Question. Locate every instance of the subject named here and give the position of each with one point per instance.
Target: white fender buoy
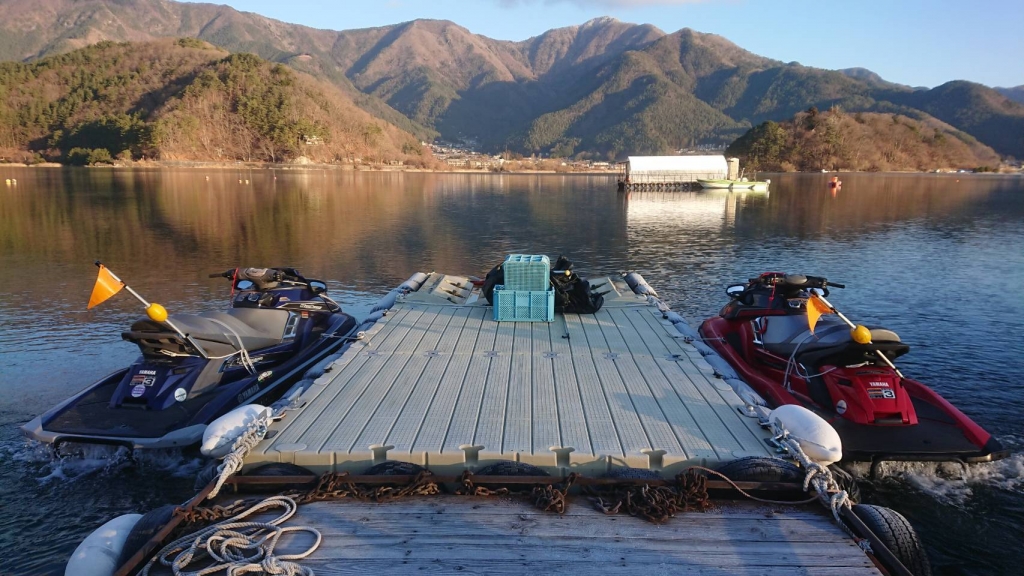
(97, 555)
(817, 438)
(221, 434)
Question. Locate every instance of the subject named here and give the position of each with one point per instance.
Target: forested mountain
(182, 100)
(1016, 93)
(863, 141)
(604, 88)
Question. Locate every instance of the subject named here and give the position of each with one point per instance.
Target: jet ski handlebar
(795, 281)
(263, 278)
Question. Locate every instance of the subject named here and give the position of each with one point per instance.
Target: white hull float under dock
(437, 382)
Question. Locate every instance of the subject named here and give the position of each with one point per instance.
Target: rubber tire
(206, 475)
(761, 469)
(510, 468)
(846, 481)
(394, 468)
(277, 469)
(897, 534)
(627, 473)
(144, 530)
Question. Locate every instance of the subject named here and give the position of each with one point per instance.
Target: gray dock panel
(440, 383)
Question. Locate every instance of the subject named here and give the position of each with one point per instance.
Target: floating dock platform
(437, 382)
(434, 380)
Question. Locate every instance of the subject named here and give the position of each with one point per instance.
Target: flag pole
(852, 325)
(167, 321)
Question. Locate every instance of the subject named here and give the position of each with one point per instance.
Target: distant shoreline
(200, 165)
(160, 164)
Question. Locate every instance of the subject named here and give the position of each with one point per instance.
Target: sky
(914, 42)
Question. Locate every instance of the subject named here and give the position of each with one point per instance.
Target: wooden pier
(439, 383)
(492, 536)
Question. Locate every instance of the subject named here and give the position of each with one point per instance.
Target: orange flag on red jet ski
(815, 308)
(106, 286)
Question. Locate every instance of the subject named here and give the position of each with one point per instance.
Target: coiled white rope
(239, 547)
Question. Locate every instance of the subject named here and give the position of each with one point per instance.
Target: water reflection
(939, 259)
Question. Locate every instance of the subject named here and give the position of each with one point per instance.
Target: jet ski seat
(217, 332)
(830, 343)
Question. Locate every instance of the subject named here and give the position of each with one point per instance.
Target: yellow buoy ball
(861, 334)
(156, 313)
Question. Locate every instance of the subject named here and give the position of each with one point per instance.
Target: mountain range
(602, 89)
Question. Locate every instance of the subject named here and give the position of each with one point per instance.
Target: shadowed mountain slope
(604, 88)
(183, 100)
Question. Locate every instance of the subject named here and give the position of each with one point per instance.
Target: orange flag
(815, 308)
(106, 286)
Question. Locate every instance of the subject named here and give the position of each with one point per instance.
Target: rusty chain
(468, 488)
(654, 503)
(337, 485)
(552, 498)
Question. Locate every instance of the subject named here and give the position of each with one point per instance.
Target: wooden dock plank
(498, 567)
(484, 535)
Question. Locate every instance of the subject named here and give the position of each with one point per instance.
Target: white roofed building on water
(665, 172)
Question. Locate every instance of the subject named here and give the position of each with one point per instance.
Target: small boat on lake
(741, 185)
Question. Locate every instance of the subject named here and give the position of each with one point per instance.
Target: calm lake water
(939, 259)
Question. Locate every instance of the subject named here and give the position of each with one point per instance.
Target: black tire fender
(394, 468)
(510, 468)
(627, 473)
(761, 469)
(846, 481)
(277, 469)
(897, 534)
(144, 530)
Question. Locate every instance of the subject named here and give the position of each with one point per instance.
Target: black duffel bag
(572, 293)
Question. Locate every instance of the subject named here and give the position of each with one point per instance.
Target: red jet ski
(764, 334)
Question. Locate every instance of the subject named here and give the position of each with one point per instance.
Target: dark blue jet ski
(279, 325)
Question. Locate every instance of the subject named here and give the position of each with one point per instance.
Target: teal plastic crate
(524, 305)
(527, 272)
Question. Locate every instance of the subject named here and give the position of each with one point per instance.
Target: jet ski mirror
(735, 290)
(317, 286)
(244, 285)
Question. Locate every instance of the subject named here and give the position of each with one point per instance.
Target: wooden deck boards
(439, 383)
(450, 534)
